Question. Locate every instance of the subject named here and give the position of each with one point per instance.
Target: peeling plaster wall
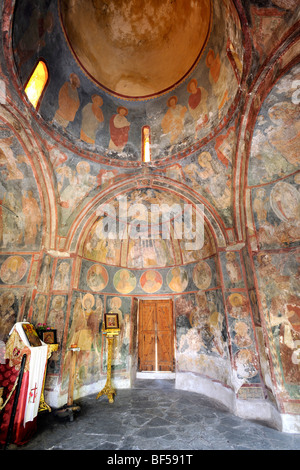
(275, 196)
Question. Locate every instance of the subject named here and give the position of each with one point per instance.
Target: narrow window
(36, 83)
(146, 155)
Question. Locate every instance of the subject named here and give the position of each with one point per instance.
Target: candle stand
(108, 390)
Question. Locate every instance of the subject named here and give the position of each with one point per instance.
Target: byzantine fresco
(154, 233)
(81, 110)
(62, 275)
(201, 334)
(113, 272)
(98, 278)
(278, 278)
(77, 180)
(276, 211)
(276, 140)
(202, 341)
(39, 309)
(266, 20)
(14, 269)
(149, 253)
(56, 319)
(84, 330)
(244, 352)
(232, 269)
(210, 173)
(151, 281)
(45, 277)
(20, 210)
(73, 185)
(207, 249)
(124, 281)
(274, 181)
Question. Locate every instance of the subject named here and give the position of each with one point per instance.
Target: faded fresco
(88, 145)
(20, 210)
(242, 339)
(9, 308)
(274, 179)
(277, 213)
(107, 279)
(201, 334)
(266, 21)
(85, 331)
(278, 277)
(276, 140)
(147, 234)
(210, 173)
(107, 124)
(232, 269)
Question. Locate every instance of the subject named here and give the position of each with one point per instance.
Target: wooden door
(156, 337)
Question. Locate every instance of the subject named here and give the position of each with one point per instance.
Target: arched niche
(207, 288)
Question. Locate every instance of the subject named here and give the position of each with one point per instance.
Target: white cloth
(38, 361)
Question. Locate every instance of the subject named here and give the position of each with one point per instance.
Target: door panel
(165, 351)
(156, 338)
(164, 316)
(148, 317)
(148, 352)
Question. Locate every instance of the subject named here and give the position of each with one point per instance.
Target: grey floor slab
(155, 416)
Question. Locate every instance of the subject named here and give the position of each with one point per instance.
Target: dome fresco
(136, 49)
(181, 109)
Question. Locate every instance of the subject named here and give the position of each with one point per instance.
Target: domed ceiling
(116, 67)
(136, 49)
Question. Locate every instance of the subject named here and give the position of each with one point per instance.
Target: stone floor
(154, 416)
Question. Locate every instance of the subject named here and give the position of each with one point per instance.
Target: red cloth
(119, 136)
(195, 99)
(21, 434)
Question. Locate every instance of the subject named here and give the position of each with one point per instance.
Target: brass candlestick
(108, 389)
(110, 330)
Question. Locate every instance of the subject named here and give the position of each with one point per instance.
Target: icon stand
(110, 330)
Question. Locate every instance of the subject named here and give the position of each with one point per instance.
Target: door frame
(160, 374)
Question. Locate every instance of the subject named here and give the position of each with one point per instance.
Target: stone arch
(88, 213)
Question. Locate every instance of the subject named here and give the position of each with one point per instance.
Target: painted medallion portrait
(124, 281)
(242, 338)
(177, 279)
(202, 275)
(151, 281)
(13, 269)
(97, 277)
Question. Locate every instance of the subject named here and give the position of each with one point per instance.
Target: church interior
(140, 158)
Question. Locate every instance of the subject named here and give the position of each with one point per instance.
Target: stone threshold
(156, 375)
